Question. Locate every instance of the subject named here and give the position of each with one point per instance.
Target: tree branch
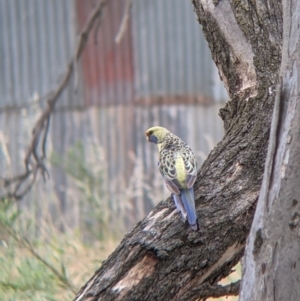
(212, 291)
(124, 22)
(36, 153)
(160, 258)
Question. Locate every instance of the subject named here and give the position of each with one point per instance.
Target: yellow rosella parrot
(178, 166)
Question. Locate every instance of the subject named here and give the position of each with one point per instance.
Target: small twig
(17, 195)
(61, 277)
(124, 22)
(212, 291)
(45, 136)
(33, 161)
(27, 245)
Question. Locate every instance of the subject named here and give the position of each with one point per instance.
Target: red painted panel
(107, 67)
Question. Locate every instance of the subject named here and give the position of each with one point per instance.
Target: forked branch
(20, 184)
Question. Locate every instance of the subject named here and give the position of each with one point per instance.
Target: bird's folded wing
(172, 185)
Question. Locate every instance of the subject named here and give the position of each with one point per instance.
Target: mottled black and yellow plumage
(178, 166)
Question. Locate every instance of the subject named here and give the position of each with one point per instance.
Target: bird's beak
(147, 136)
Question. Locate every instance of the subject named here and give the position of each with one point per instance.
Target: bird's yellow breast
(180, 170)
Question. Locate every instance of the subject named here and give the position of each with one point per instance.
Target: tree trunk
(162, 258)
(272, 258)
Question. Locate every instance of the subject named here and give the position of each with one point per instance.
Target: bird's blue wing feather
(188, 199)
(179, 205)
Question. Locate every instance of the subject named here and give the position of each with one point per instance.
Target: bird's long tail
(188, 200)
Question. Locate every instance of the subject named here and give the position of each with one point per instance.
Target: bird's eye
(150, 133)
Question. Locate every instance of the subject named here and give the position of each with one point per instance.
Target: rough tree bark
(161, 258)
(272, 258)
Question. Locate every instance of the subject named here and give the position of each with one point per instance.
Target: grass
(52, 267)
(38, 260)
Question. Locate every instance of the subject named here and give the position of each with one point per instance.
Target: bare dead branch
(18, 195)
(213, 291)
(124, 22)
(36, 153)
(45, 137)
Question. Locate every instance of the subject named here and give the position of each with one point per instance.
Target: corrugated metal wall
(171, 54)
(160, 73)
(37, 40)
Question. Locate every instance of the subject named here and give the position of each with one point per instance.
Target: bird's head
(156, 134)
